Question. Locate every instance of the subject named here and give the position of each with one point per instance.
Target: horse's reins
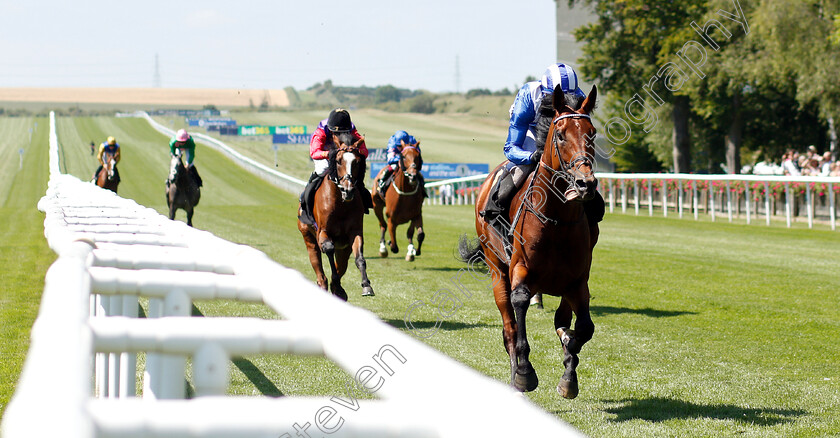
(562, 173)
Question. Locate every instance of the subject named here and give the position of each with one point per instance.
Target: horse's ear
(417, 145)
(559, 102)
(589, 103)
(558, 99)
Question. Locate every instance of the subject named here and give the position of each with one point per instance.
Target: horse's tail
(470, 250)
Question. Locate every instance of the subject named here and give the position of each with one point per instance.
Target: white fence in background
(79, 377)
(756, 198)
(752, 197)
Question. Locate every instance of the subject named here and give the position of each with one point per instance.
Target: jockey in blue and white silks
(520, 147)
(397, 141)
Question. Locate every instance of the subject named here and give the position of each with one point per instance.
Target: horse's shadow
(446, 324)
(647, 311)
(658, 409)
(257, 377)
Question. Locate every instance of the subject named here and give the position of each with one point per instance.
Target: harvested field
(146, 96)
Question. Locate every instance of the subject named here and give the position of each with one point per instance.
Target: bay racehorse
(108, 177)
(339, 212)
(552, 242)
(403, 202)
(181, 191)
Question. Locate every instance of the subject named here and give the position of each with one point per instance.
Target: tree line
(709, 85)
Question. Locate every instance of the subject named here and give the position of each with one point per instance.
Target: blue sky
(273, 44)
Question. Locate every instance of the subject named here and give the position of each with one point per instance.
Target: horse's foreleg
(525, 378)
(573, 340)
(358, 252)
(172, 210)
(190, 212)
(378, 206)
(342, 255)
(392, 232)
(328, 247)
(418, 224)
(410, 251)
(314, 255)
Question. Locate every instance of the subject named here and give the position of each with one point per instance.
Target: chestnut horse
(403, 203)
(182, 192)
(107, 178)
(552, 242)
(339, 215)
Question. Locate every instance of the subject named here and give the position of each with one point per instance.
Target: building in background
(569, 51)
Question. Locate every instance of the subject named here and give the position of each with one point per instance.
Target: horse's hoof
(527, 382)
(536, 300)
(367, 291)
(395, 249)
(409, 254)
(568, 388)
(340, 294)
(383, 250)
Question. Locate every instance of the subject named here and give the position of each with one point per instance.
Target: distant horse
(553, 238)
(182, 192)
(403, 203)
(108, 177)
(338, 214)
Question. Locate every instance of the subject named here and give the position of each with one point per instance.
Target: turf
(24, 255)
(702, 329)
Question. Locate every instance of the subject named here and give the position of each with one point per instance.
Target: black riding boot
(500, 196)
(307, 198)
(384, 180)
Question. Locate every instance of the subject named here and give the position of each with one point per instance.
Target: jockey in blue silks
(397, 141)
(523, 134)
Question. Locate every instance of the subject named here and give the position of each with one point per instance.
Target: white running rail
(112, 251)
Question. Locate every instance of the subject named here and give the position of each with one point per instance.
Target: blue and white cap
(560, 74)
(402, 136)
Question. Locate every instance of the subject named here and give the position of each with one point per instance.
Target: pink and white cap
(182, 135)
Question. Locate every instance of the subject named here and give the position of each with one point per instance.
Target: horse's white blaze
(348, 162)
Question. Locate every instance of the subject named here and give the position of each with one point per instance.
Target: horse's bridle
(348, 176)
(563, 172)
(402, 158)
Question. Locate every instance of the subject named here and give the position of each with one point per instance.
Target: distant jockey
(323, 140)
(183, 143)
(107, 150)
(397, 141)
(524, 135)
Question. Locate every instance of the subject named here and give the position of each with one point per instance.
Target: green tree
(626, 48)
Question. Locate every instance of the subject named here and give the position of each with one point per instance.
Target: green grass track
(702, 329)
